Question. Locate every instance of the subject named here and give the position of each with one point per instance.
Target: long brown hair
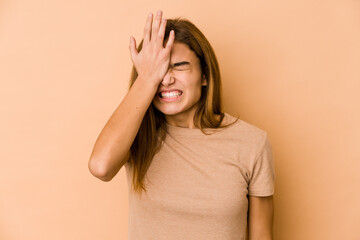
(152, 130)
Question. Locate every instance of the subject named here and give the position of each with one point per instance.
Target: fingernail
(159, 13)
(150, 15)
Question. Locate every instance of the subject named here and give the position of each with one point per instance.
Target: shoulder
(247, 138)
(244, 130)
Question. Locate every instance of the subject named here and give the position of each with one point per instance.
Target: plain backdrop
(292, 68)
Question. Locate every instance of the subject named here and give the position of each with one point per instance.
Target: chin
(169, 112)
(167, 109)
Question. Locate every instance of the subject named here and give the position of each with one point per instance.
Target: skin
(155, 65)
(261, 218)
(187, 78)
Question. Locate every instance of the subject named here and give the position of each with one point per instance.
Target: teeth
(170, 94)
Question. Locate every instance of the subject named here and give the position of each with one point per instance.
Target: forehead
(181, 52)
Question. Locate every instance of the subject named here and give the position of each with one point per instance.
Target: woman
(205, 174)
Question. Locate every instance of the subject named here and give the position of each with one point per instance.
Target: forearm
(114, 142)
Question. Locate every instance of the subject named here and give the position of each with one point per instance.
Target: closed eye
(180, 69)
(180, 66)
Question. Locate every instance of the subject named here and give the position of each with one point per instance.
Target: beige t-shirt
(198, 184)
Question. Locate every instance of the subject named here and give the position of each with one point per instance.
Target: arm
(261, 218)
(111, 150)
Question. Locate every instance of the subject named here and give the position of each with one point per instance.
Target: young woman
(205, 174)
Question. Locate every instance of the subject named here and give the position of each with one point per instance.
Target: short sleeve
(262, 181)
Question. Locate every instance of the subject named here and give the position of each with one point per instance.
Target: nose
(168, 78)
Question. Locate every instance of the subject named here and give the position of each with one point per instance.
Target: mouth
(169, 96)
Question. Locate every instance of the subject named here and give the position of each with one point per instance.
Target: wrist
(147, 83)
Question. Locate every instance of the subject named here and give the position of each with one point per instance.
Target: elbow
(98, 170)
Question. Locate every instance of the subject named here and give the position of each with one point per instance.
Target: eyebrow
(180, 64)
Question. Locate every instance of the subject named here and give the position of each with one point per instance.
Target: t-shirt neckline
(183, 131)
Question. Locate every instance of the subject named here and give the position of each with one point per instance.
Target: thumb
(132, 47)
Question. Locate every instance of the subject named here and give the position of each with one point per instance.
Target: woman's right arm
(112, 147)
(111, 150)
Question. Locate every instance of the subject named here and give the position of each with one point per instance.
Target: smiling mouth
(170, 95)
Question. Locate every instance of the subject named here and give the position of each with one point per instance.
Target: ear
(204, 81)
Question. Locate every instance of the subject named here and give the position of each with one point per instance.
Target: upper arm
(261, 217)
(107, 172)
(115, 167)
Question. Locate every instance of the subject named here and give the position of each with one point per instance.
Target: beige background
(291, 68)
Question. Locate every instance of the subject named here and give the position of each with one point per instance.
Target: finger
(147, 29)
(161, 32)
(132, 48)
(170, 40)
(155, 27)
